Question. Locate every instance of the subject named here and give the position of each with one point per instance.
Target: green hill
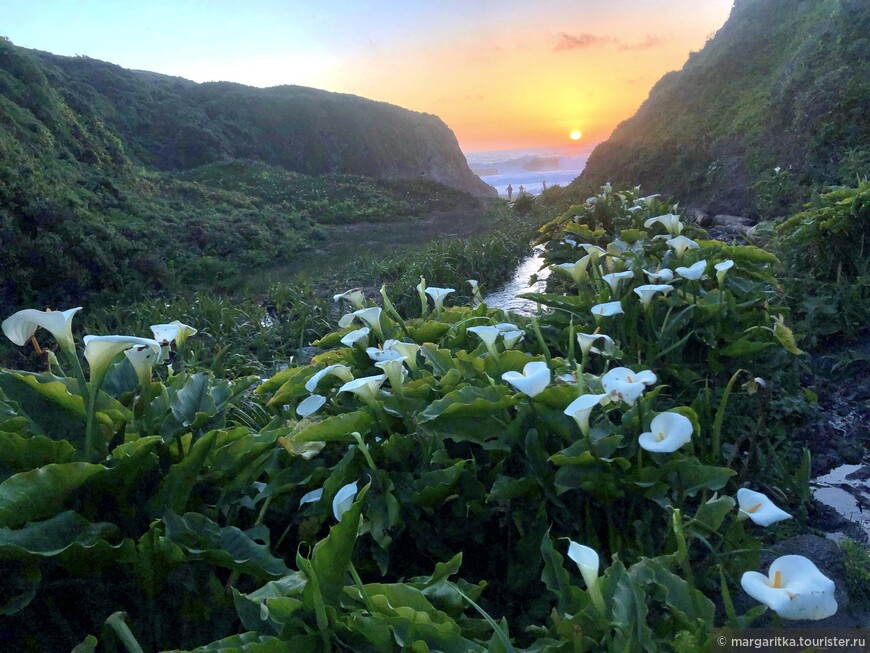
(783, 84)
(116, 181)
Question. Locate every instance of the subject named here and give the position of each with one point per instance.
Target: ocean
(530, 167)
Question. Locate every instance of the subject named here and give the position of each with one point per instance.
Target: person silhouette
(522, 190)
(510, 191)
(544, 185)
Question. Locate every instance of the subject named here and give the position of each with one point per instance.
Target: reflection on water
(845, 495)
(505, 297)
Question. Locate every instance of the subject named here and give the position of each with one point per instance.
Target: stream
(506, 298)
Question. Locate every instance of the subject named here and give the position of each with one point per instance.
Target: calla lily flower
(594, 251)
(311, 497)
(511, 338)
(581, 408)
(20, 327)
(143, 358)
(350, 339)
(647, 200)
(533, 380)
(371, 317)
(669, 221)
(475, 290)
(757, 507)
(438, 295)
(794, 588)
(578, 271)
(587, 340)
(670, 431)
(664, 274)
(355, 297)
(615, 278)
(646, 293)
(343, 500)
(421, 291)
(587, 561)
(722, 269)
(175, 330)
(310, 405)
(407, 349)
(365, 387)
(681, 244)
(693, 272)
(395, 371)
(343, 372)
(608, 309)
(379, 354)
(101, 350)
(623, 384)
(489, 334)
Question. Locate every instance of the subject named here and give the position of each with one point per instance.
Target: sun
(575, 135)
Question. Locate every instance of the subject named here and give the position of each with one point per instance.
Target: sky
(503, 74)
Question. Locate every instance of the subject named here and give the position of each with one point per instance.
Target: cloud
(651, 41)
(582, 41)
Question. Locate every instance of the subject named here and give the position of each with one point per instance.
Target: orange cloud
(582, 41)
(651, 41)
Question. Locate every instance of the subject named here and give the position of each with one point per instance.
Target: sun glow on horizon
(576, 135)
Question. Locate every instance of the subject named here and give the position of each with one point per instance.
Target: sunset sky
(501, 73)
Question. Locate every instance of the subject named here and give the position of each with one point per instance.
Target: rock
(306, 354)
(698, 217)
(729, 228)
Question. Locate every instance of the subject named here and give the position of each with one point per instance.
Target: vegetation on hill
(117, 182)
(776, 103)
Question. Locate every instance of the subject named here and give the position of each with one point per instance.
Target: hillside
(123, 181)
(783, 84)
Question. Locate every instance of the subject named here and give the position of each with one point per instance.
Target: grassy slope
(81, 214)
(783, 83)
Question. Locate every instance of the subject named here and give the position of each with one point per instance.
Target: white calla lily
(615, 278)
(438, 295)
(175, 330)
(355, 297)
(608, 309)
(587, 340)
(395, 371)
(310, 405)
(794, 588)
(581, 408)
(680, 244)
(587, 560)
(759, 508)
(365, 387)
(20, 327)
(343, 372)
(670, 431)
(489, 334)
(343, 500)
(647, 292)
(594, 251)
(311, 497)
(694, 272)
(407, 349)
(664, 274)
(350, 339)
(371, 317)
(623, 384)
(722, 269)
(511, 338)
(101, 350)
(378, 354)
(143, 358)
(475, 290)
(578, 271)
(533, 380)
(669, 221)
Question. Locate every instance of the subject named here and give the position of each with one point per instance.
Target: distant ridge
(783, 84)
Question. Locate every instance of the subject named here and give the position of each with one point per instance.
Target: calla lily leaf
(337, 428)
(470, 401)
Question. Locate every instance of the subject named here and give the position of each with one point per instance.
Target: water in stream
(506, 298)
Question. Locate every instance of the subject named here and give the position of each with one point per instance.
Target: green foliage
(826, 257)
(856, 560)
(780, 85)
